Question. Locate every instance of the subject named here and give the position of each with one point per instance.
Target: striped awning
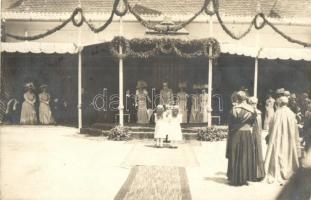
(39, 47)
(268, 53)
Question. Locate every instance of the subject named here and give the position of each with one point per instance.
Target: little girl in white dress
(175, 133)
(161, 127)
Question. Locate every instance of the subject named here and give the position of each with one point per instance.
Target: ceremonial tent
(255, 60)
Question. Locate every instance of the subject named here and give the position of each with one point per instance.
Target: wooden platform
(145, 131)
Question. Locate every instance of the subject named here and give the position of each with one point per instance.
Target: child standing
(175, 133)
(160, 127)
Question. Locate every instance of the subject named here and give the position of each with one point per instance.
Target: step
(134, 134)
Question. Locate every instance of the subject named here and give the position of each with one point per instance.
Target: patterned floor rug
(155, 183)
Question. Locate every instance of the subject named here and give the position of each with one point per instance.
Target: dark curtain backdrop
(59, 72)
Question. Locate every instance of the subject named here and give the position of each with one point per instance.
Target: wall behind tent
(59, 72)
(133, 29)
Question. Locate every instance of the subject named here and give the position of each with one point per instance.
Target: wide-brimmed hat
(141, 84)
(43, 86)
(305, 95)
(182, 85)
(241, 95)
(284, 100)
(286, 93)
(293, 96)
(29, 85)
(165, 83)
(280, 91)
(252, 100)
(243, 88)
(204, 86)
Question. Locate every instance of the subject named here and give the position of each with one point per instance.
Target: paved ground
(57, 163)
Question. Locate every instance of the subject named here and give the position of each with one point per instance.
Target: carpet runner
(146, 154)
(155, 183)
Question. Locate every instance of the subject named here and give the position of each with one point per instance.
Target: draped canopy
(234, 49)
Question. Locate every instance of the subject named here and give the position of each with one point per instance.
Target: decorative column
(80, 48)
(121, 105)
(256, 65)
(210, 75)
(1, 74)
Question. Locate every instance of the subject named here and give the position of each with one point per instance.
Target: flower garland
(148, 25)
(164, 46)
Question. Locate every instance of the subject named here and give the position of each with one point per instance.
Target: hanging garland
(224, 27)
(79, 12)
(164, 46)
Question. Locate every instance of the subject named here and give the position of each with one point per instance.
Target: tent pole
(256, 65)
(256, 77)
(121, 106)
(80, 123)
(210, 75)
(1, 74)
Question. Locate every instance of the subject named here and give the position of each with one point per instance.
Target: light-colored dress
(269, 112)
(195, 109)
(204, 107)
(142, 112)
(45, 114)
(28, 113)
(162, 126)
(175, 133)
(282, 157)
(166, 96)
(182, 105)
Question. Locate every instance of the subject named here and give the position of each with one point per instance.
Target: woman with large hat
(182, 100)
(141, 102)
(269, 111)
(204, 103)
(45, 114)
(195, 105)
(28, 112)
(240, 144)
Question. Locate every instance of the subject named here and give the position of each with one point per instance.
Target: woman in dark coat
(259, 169)
(240, 144)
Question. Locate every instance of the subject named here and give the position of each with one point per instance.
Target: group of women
(28, 110)
(244, 145)
(199, 102)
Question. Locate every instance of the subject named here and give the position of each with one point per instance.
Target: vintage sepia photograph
(155, 100)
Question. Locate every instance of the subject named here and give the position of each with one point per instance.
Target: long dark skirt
(259, 169)
(241, 160)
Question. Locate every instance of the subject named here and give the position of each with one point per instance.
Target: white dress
(175, 133)
(161, 127)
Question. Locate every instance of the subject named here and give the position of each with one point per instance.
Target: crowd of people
(36, 108)
(286, 120)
